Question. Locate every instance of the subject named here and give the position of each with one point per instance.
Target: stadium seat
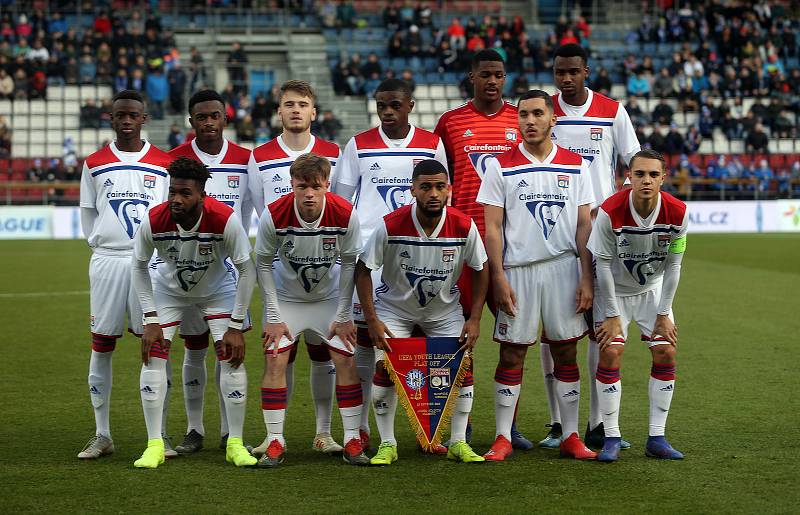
(428, 121)
(424, 106)
(54, 150)
(5, 108)
(72, 93)
(53, 135)
(20, 122)
(414, 119)
(786, 146)
(437, 91)
(441, 105)
(455, 102)
(55, 107)
(374, 120)
(38, 107)
(422, 91)
(452, 92)
(21, 108)
(737, 146)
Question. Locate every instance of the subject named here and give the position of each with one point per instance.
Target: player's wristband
(150, 320)
(235, 325)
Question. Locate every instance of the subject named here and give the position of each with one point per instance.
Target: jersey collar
(421, 231)
(294, 154)
(130, 156)
(533, 160)
(315, 223)
(208, 159)
(390, 143)
(480, 113)
(650, 220)
(571, 110)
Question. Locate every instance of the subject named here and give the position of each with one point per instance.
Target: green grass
(735, 412)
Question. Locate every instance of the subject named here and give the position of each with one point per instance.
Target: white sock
(100, 390)
(365, 364)
(592, 358)
(273, 419)
(351, 418)
(507, 384)
(223, 416)
(165, 411)
(153, 388)
(289, 382)
(549, 383)
(569, 395)
(384, 400)
(233, 385)
(660, 393)
(323, 383)
(463, 407)
(194, 386)
(608, 399)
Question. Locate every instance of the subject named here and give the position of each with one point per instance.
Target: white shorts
(545, 293)
(112, 299)
(402, 328)
(193, 323)
(216, 312)
(313, 319)
(641, 308)
(358, 314)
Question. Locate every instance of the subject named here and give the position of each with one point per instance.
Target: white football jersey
(638, 247)
(540, 199)
(380, 169)
(230, 175)
(306, 254)
(193, 260)
(122, 186)
(420, 272)
(272, 161)
(599, 130)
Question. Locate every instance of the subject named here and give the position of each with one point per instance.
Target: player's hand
(665, 328)
(470, 333)
(233, 341)
(273, 333)
(152, 335)
(378, 333)
(584, 295)
(346, 331)
(608, 330)
(504, 296)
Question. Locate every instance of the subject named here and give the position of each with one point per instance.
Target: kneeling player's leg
(322, 379)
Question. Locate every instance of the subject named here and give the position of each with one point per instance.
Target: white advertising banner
(789, 215)
(26, 222)
(735, 216)
(67, 223)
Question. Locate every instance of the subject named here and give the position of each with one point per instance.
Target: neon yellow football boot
(461, 451)
(386, 455)
(153, 456)
(236, 453)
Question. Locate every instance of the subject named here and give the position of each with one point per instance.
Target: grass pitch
(735, 412)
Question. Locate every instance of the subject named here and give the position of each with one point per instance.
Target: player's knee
(150, 384)
(512, 356)
(196, 341)
(318, 353)
(611, 356)
(274, 368)
(663, 354)
(564, 353)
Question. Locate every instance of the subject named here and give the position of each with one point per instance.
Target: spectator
(68, 154)
(90, 115)
(408, 78)
(638, 85)
(38, 53)
(756, 141)
(520, 85)
(37, 173)
(602, 83)
(87, 69)
(121, 80)
(137, 81)
(764, 176)
(663, 85)
(5, 140)
(413, 42)
(705, 124)
(391, 16)
(693, 140)
(37, 85)
(457, 34)
(674, 142)
(782, 126)
(635, 112)
(157, 89)
(784, 177)
(262, 111)
(102, 24)
(327, 13)
(237, 67)
(245, 129)
(330, 126)
(447, 56)
(6, 84)
(176, 78)
(345, 15)
(263, 132)
(662, 113)
(656, 141)
(372, 65)
(21, 84)
(196, 69)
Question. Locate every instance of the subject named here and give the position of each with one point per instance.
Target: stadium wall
(748, 216)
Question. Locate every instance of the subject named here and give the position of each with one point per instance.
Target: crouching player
(193, 235)
(422, 248)
(638, 241)
(307, 233)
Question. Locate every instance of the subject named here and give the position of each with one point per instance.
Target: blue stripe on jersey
(542, 169)
(584, 122)
(429, 243)
(167, 237)
(275, 165)
(399, 152)
(229, 170)
(316, 232)
(643, 231)
(129, 167)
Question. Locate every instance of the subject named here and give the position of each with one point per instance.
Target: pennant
(427, 373)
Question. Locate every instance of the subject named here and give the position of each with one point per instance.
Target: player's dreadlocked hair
(572, 50)
(185, 168)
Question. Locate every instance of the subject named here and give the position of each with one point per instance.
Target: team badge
(440, 378)
(511, 134)
(356, 308)
(663, 240)
(204, 249)
(415, 380)
(448, 255)
(563, 181)
(149, 181)
(328, 244)
(596, 133)
(130, 212)
(233, 181)
(546, 214)
(91, 320)
(502, 329)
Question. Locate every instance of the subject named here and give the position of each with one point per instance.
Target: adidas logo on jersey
(375, 166)
(624, 243)
(276, 178)
(570, 394)
(236, 394)
(522, 184)
(288, 244)
(667, 388)
(468, 134)
(108, 183)
(405, 254)
(611, 389)
(506, 391)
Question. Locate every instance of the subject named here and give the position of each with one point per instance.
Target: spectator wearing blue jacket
(157, 89)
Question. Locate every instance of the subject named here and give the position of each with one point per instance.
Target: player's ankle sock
(384, 400)
(661, 388)
(506, 391)
(350, 401)
(152, 387)
(273, 406)
(289, 381)
(568, 390)
(365, 365)
(233, 384)
(100, 375)
(458, 424)
(223, 415)
(549, 383)
(194, 386)
(323, 383)
(592, 358)
(609, 392)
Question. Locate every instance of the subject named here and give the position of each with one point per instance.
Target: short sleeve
(347, 171)
(88, 193)
(266, 237)
(255, 185)
(475, 253)
(492, 189)
(351, 242)
(335, 166)
(236, 241)
(625, 140)
(373, 252)
(441, 155)
(585, 189)
(143, 245)
(602, 242)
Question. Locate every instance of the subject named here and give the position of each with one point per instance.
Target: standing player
(638, 241)
(228, 164)
(478, 130)
(194, 236)
(119, 183)
(421, 250)
(375, 172)
(306, 233)
(271, 181)
(599, 129)
(537, 199)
